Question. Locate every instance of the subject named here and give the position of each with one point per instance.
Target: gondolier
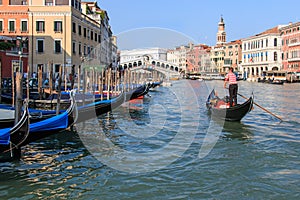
(233, 86)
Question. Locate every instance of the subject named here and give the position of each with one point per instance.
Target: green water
(159, 149)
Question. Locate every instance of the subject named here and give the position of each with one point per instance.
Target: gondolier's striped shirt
(231, 78)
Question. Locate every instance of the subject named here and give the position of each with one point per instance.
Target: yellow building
(61, 35)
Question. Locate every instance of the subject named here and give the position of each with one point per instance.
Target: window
(56, 68)
(96, 37)
(266, 42)
(57, 46)
(92, 35)
(40, 45)
(40, 26)
(58, 26)
(74, 48)
(79, 30)
(11, 26)
(24, 26)
(74, 27)
(275, 56)
(61, 2)
(49, 2)
(79, 49)
(275, 42)
(84, 32)
(1, 25)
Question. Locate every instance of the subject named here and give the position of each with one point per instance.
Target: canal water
(167, 147)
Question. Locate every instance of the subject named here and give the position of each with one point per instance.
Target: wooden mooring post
(19, 95)
(59, 90)
(0, 79)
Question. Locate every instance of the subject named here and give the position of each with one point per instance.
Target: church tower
(221, 35)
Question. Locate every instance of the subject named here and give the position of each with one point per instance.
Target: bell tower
(221, 35)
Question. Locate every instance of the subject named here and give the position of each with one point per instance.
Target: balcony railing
(294, 44)
(293, 59)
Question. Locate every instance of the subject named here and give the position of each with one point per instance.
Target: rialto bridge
(166, 68)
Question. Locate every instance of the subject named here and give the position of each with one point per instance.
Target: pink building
(291, 47)
(198, 59)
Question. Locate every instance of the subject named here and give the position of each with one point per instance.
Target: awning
(5, 38)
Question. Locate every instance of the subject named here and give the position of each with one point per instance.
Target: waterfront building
(198, 59)
(108, 48)
(14, 29)
(58, 33)
(291, 47)
(178, 56)
(261, 53)
(232, 55)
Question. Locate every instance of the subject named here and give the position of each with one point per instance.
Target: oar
(262, 108)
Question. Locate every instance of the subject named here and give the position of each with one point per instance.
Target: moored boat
(12, 138)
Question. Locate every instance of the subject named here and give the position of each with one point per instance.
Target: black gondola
(220, 109)
(12, 138)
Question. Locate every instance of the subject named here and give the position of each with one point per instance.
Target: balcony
(294, 44)
(293, 59)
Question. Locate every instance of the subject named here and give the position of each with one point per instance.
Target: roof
(268, 31)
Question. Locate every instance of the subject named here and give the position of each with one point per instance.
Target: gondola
(138, 92)
(34, 114)
(53, 125)
(220, 109)
(12, 138)
(96, 108)
(155, 84)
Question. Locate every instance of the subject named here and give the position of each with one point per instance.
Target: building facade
(58, 33)
(14, 29)
(261, 53)
(291, 47)
(233, 55)
(178, 56)
(198, 59)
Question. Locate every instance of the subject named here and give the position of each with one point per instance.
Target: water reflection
(237, 130)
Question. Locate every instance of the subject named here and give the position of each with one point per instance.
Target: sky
(167, 23)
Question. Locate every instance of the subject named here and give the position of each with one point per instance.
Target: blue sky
(196, 20)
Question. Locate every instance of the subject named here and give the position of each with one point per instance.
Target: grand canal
(167, 147)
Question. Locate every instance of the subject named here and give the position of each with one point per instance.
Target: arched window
(275, 42)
